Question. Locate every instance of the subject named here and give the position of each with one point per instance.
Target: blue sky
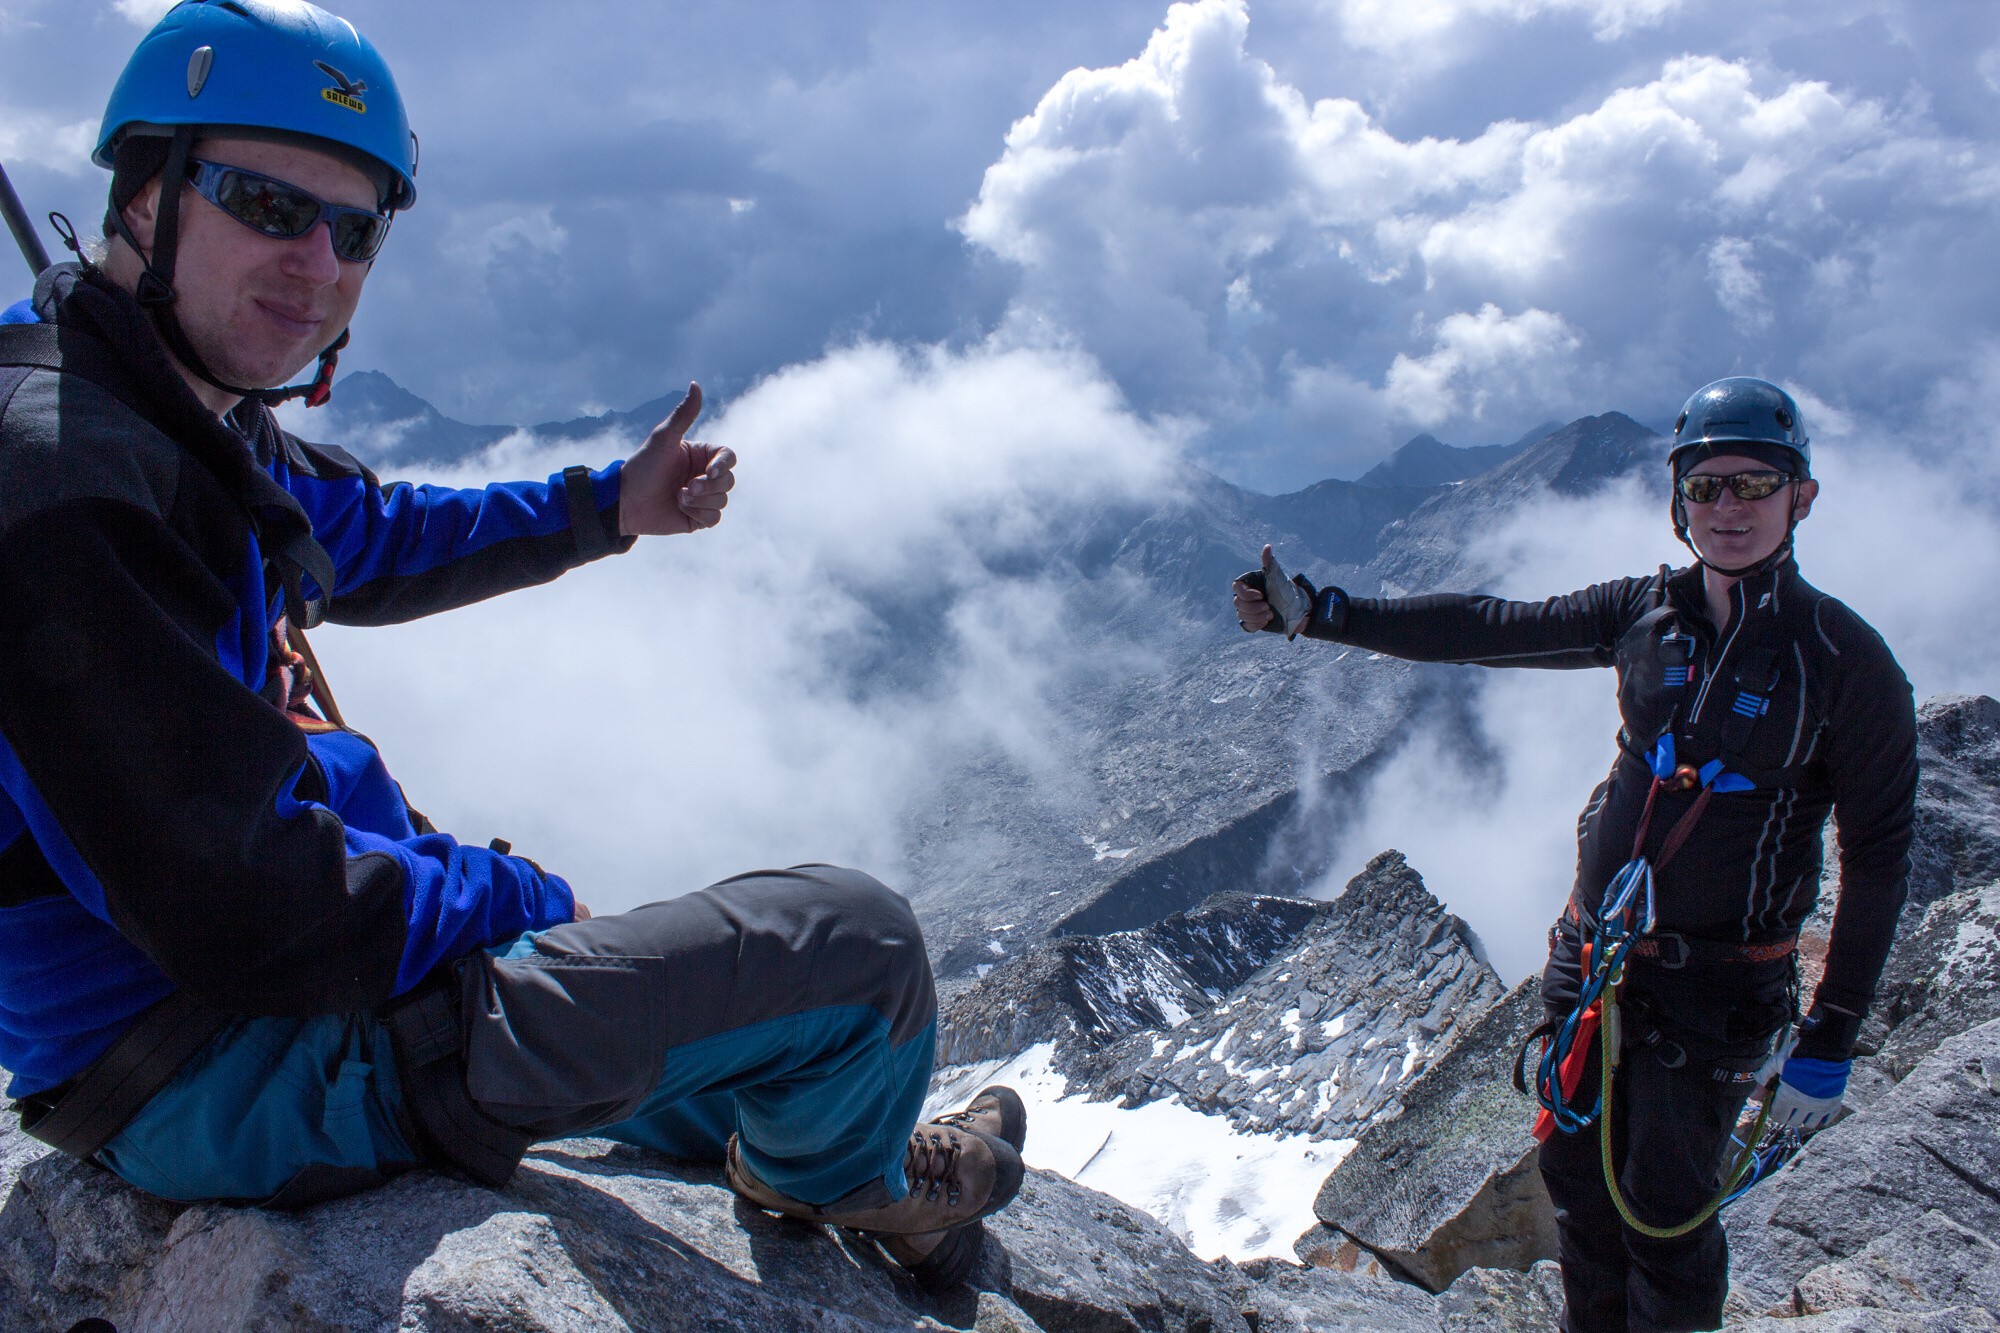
(1302, 230)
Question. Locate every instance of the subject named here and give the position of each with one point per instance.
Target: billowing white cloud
(1317, 287)
(788, 686)
(145, 13)
(33, 136)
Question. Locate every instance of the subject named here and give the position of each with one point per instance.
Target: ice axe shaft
(23, 229)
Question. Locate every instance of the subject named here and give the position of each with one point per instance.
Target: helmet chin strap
(156, 289)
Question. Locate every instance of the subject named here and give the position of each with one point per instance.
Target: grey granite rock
(1960, 1319)
(1932, 1143)
(1943, 977)
(1957, 839)
(1287, 1299)
(1451, 1183)
(996, 1314)
(596, 1236)
(589, 1236)
(1081, 1262)
(1933, 1264)
(1503, 1300)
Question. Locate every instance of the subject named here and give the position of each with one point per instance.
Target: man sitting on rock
(1753, 705)
(234, 963)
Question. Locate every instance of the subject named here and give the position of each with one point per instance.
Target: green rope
(1610, 1041)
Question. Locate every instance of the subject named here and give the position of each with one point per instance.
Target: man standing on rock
(1753, 705)
(234, 963)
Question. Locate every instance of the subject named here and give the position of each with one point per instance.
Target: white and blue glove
(1809, 1093)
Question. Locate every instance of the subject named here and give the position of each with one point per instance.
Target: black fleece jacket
(1837, 734)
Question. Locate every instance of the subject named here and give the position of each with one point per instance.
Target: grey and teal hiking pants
(792, 1007)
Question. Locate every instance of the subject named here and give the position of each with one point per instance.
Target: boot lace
(931, 1164)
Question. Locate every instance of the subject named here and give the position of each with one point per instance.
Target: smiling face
(1732, 533)
(258, 309)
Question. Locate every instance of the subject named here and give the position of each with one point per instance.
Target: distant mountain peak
(1428, 461)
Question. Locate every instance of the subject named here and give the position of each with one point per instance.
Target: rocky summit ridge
(1886, 1221)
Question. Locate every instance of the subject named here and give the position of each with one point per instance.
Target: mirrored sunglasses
(1700, 488)
(286, 212)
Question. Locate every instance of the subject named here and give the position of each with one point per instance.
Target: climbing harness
(1624, 928)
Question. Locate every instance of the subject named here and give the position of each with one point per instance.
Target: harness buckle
(1680, 952)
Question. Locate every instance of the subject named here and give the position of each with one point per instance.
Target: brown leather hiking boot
(996, 1112)
(961, 1167)
(940, 1260)
(955, 1176)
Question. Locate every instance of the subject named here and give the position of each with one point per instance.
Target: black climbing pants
(1693, 1039)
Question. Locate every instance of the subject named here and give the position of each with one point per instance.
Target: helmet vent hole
(1784, 419)
(235, 8)
(1681, 424)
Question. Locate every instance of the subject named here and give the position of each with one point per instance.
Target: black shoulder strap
(30, 345)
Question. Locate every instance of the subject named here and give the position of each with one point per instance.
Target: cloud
(1399, 25)
(145, 13)
(1249, 213)
(876, 606)
(1277, 265)
(1476, 357)
(31, 136)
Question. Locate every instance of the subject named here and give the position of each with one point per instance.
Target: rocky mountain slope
(592, 1237)
(1285, 1016)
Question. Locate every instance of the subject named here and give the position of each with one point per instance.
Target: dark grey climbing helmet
(1740, 415)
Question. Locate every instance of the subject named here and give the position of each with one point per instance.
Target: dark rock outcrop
(1287, 1016)
(1084, 991)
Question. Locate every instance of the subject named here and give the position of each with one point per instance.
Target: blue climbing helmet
(269, 67)
(1740, 415)
(279, 69)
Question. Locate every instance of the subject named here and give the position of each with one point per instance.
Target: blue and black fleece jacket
(162, 824)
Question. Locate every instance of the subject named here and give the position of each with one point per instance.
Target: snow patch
(1102, 850)
(1243, 1196)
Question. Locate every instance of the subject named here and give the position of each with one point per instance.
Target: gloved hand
(1254, 612)
(1809, 1093)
